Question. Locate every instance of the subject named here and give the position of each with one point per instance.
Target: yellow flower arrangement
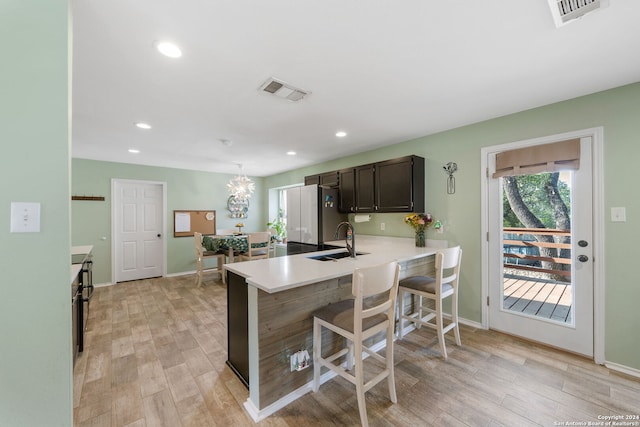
(419, 221)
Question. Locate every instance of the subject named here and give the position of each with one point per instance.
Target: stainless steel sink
(334, 257)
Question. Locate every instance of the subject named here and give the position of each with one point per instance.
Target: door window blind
(557, 156)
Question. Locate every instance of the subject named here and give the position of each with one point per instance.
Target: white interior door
(138, 224)
(577, 333)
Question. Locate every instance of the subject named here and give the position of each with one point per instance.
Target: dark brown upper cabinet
(327, 179)
(312, 180)
(347, 193)
(366, 189)
(399, 185)
(395, 185)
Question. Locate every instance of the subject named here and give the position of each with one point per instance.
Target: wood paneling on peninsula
(285, 326)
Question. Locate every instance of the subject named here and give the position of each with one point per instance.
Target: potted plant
(280, 227)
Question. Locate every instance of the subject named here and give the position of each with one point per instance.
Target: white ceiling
(385, 71)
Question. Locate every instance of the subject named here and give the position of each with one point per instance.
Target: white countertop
(75, 270)
(84, 249)
(282, 273)
(78, 250)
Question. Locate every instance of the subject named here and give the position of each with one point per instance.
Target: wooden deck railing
(534, 243)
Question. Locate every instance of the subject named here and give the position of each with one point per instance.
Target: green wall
(35, 307)
(617, 110)
(190, 190)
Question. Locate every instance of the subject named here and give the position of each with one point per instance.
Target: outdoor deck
(538, 297)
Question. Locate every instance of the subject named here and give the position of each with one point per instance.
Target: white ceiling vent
(565, 11)
(283, 90)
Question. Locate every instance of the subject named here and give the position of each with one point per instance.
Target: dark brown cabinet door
(400, 185)
(347, 190)
(365, 188)
(311, 180)
(329, 179)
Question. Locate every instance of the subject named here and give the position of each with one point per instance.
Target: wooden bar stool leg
(389, 360)
(454, 318)
(362, 406)
(402, 319)
(440, 328)
(317, 347)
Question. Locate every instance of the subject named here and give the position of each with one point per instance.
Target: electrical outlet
(300, 360)
(382, 226)
(618, 214)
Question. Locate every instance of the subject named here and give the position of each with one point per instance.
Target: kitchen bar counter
(81, 250)
(270, 304)
(279, 274)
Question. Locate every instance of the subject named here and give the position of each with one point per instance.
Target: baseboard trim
(260, 414)
(182, 273)
(622, 368)
(102, 285)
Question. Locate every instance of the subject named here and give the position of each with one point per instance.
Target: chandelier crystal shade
(241, 187)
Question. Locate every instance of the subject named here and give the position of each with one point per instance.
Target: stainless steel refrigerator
(312, 218)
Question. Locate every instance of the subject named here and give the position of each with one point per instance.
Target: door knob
(583, 243)
(583, 258)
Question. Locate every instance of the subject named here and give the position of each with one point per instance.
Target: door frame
(597, 135)
(114, 181)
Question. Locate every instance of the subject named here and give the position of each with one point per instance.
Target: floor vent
(283, 90)
(565, 11)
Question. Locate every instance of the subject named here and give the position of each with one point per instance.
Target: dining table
(231, 244)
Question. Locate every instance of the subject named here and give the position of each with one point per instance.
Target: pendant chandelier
(241, 187)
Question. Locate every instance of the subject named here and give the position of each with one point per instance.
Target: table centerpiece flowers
(420, 222)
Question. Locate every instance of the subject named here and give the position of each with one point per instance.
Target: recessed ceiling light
(168, 49)
(134, 151)
(341, 134)
(291, 153)
(142, 125)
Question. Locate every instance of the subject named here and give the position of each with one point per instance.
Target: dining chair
(370, 312)
(257, 246)
(443, 285)
(202, 254)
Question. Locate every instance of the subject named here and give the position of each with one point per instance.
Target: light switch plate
(25, 217)
(618, 214)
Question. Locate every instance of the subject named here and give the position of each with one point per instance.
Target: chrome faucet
(351, 248)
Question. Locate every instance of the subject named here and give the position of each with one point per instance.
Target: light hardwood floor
(155, 356)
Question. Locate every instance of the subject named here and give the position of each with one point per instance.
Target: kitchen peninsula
(270, 304)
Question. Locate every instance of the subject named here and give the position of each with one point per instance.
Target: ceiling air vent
(565, 11)
(283, 90)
